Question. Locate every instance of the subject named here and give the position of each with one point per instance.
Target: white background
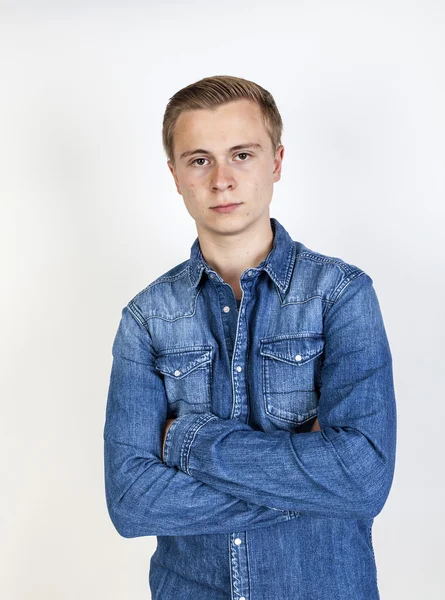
(90, 216)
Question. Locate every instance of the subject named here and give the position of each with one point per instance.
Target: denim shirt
(249, 504)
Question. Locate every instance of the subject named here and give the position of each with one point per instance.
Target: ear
(278, 160)
(173, 172)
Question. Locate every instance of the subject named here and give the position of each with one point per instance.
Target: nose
(222, 178)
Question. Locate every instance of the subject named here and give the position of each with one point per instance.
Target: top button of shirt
(226, 308)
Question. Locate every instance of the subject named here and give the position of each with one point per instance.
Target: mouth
(224, 208)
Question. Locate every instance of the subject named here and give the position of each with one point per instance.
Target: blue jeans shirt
(249, 504)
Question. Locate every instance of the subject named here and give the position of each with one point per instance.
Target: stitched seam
(235, 568)
(193, 285)
(343, 284)
(189, 438)
(139, 318)
(341, 287)
(344, 266)
(322, 299)
(290, 263)
(180, 316)
(290, 260)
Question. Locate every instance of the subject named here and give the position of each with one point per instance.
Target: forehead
(226, 125)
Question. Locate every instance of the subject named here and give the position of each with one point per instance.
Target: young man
(251, 415)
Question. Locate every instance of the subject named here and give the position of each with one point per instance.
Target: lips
(224, 208)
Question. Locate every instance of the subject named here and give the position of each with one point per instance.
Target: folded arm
(315, 427)
(143, 495)
(343, 470)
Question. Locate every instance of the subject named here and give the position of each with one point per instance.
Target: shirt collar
(278, 264)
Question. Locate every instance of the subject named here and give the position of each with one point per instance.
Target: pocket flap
(179, 363)
(296, 351)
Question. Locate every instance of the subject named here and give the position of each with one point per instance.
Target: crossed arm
(344, 466)
(226, 476)
(315, 427)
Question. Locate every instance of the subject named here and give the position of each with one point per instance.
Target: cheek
(259, 187)
(193, 185)
(189, 189)
(258, 180)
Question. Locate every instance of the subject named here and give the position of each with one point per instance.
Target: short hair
(211, 92)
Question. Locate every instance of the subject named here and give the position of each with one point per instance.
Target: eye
(239, 154)
(193, 161)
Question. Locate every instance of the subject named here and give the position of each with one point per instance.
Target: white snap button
(239, 369)
(298, 357)
(226, 309)
(211, 275)
(177, 372)
(237, 541)
(242, 598)
(249, 272)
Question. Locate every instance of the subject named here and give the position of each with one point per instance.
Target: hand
(167, 425)
(316, 425)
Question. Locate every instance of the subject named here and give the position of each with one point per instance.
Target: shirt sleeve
(143, 495)
(346, 469)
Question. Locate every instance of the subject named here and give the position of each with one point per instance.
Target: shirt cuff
(180, 436)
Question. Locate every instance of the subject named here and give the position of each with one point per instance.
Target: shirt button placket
(239, 570)
(240, 408)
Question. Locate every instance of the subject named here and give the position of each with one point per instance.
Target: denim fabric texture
(249, 504)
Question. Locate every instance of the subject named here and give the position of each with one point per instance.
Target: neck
(230, 255)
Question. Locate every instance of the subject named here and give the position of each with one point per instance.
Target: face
(212, 170)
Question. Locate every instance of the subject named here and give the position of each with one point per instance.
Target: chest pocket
(187, 378)
(291, 376)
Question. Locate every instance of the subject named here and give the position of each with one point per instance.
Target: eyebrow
(232, 149)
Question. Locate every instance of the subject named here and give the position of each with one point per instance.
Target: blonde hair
(212, 92)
